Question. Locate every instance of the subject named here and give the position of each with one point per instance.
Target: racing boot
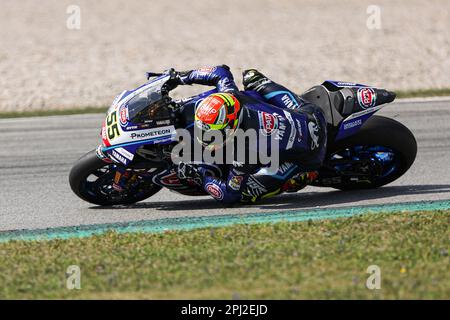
(273, 92)
(299, 181)
(253, 79)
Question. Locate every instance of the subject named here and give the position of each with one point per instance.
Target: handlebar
(153, 74)
(173, 74)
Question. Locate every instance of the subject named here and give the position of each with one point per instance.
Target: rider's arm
(228, 192)
(219, 76)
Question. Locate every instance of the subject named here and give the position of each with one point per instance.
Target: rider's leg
(288, 178)
(264, 184)
(315, 146)
(273, 92)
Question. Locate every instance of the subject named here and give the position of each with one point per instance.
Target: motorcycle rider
(301, 131)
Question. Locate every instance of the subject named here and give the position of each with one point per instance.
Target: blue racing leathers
(219, 76)
(299, 127)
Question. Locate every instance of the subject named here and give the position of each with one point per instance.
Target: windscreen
(148, 106)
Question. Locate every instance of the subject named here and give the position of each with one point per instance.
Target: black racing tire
(386, 132)
(88, 164)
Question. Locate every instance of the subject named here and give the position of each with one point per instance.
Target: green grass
(421, 93)
(40, 113)
(320, 259)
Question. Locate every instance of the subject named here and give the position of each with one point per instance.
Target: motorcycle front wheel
(91, 179)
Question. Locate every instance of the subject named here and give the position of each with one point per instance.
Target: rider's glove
(173, 82)
(176, 78)
(189, 171)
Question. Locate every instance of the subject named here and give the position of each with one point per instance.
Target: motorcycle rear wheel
(383, 146)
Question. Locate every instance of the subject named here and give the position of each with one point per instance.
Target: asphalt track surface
(37, 153)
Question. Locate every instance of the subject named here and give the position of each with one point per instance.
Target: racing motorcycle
(363, 150)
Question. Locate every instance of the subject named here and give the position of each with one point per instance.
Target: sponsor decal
(331, 181)
(119, 157)
(363, 112)
(281, 126)
(313, 133)
(214, 191)
(125, 153)
(291, 139)
(152, 133)
(162, 122)
(352, 124)
(104, 137)
(288, 102)
(299, 130)
(123, 116)
(208, 110)
(255, 188)
(346, 84)
(141, 126)
(285, 167)
(130, 128)
(268, 122)
(366, 97)
(235, 182)
(280, 132)
(206, 69)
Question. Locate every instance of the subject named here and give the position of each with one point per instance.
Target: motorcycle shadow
(355, 197)
(299, 200)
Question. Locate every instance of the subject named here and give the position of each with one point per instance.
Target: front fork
(122, 177)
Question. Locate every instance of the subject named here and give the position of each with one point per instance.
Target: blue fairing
(344, 84)
(351, 126)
